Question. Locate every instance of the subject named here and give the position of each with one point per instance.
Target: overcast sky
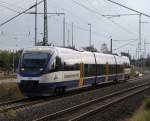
(19, 33)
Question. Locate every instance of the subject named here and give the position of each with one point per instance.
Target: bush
(147, 104)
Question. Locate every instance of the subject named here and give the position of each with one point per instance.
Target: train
(47, 70)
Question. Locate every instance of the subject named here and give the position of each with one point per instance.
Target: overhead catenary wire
(111, 16)
(140, 14)
(96, 33)
(81, 28)
(11, 4)
(11, 9)
(124, 45)
(122, 27)
(84, 29)
(99, 14)
(24, 11)
(129, 8)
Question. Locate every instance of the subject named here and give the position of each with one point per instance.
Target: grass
(10, 114)
(9, 91)
(143, 114)
(132, 73)
(2, 77)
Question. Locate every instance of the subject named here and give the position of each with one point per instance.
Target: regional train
(46, 70)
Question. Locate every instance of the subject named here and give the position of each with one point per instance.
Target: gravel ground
(12, 80)
(65, 102)
(120, 111)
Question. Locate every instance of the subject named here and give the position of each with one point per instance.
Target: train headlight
(41, 69)
(22, 69)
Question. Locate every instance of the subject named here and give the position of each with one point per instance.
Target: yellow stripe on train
(81, 81)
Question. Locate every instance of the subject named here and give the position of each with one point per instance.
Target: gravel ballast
(59, 104)
(121, 110)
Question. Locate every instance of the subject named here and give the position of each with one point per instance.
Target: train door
(81, 81)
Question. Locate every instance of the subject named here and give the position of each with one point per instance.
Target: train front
(33, 67)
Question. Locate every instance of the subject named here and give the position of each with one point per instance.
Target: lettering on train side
(55, 77)
(71, 76)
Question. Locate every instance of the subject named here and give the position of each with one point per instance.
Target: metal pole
(145, 48)
(72, 34)
(36, 23)
(144, 53)
(45, 38)
(64, 29)
(136, 58)
(139, 49)
(90, 34)
(68, 37)
(111, 45)
(13, 62)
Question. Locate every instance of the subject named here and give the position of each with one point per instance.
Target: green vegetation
(133, 73)
(143, 114)
(8, 92)
(10, 114)
(6, 61)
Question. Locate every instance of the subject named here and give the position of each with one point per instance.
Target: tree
(6, 60)
(5, 57)
(104, 48)
(90, 48)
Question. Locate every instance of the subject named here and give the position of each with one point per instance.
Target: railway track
(27, 102)
(22, 103)
(86, 109)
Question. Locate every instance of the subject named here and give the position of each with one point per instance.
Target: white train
(43, 71)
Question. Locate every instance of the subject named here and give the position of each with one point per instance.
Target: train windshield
(34, 62)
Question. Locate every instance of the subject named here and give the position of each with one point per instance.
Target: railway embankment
(4, 76)
(143, 112)
(9, 91)
(121, 111)
(113, 113)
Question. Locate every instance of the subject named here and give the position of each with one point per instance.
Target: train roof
(74, 54)
(38, 49)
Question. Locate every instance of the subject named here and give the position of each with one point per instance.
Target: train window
(86, 70)
(76, 66)
(100, 69)
(119, 68)
(110, 69)
(89, 70)
(58, 63)
(70, 67)
(53, 68)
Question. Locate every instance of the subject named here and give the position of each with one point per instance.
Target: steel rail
(25, 102)
(74, 109)
(13, 101)
(108, 104)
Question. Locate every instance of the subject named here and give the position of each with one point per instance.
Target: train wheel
(59, 90)
(56, 91)
(64, 90)
(94, 85)
(116, 81)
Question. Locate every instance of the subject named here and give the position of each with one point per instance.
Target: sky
(19, 33)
